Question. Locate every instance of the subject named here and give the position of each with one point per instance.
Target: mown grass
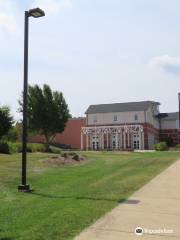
(67, 199)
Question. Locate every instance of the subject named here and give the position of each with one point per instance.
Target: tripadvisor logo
(139, 231)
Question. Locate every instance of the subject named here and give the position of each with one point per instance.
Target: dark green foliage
(161, 146)
(6, 121)
(169, 141)
(16, 147)
(4, 148)
(47, 112)
(178, 146)
(12, 135)
(35, 147)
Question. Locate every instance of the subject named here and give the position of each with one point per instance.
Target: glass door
(136, 141)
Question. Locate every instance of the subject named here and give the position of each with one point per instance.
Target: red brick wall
(148, 128)
(71, 135)
(166, 134)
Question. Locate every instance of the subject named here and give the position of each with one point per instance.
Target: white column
(102, 139)
(140, 142)
(111, 140)
(107, 140)
(87, 142)
(99, 140)
(124, 139)
(121, 137)
(81, 141)
(128, 139)
(142, 134)
(90, 142)
(116, 140)
(91, 139)
(95, 145)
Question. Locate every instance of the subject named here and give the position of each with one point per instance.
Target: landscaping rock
(76, 157)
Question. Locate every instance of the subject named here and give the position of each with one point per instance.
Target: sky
(94, 51)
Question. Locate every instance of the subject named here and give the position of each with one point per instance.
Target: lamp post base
(24, 188)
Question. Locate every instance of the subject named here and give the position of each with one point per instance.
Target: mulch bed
(66, 159)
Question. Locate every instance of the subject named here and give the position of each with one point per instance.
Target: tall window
(95, 119)
(115, 118)
(136, 117)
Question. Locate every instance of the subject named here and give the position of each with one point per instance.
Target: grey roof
(120, 107)
(172, 116)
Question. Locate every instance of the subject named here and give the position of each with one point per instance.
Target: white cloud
(167, 63)
(7, 18)
(52, 6)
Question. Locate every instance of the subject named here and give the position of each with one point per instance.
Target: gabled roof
(120, 107)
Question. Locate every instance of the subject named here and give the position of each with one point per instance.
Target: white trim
(122, 132)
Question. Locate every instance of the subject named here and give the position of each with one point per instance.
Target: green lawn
(68, 199)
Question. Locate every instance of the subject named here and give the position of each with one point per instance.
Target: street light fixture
(36, 13)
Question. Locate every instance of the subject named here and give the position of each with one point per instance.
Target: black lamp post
(179, 117)
(36, 12)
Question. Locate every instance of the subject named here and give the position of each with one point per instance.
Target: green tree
(14, 134)
(47, 112)
(6, 120)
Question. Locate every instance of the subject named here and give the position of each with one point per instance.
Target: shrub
(161, 146)
(16, 147)
(12, 135)
(178, 146)
(4, 148)
(35, 147)
(169, 141)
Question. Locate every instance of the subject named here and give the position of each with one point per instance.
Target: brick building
(132, 125)
(123, 126)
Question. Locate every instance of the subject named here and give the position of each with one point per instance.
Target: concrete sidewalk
(156, 206)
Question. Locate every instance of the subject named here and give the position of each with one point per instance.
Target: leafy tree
(47, 112)
(11, 135)
(14, 134)
(6, 120)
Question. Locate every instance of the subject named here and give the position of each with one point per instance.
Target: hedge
(11, 147)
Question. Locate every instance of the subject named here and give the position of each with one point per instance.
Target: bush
(169, 141)
(161, 146)
(15, 147)
(178, 146)
(11, 147)
(4, 148)
(11, 136)
(35, 147)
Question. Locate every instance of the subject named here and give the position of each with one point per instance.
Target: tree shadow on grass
(78, 197)
(7, 238)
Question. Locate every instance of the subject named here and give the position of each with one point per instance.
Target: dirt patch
(66, 159)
